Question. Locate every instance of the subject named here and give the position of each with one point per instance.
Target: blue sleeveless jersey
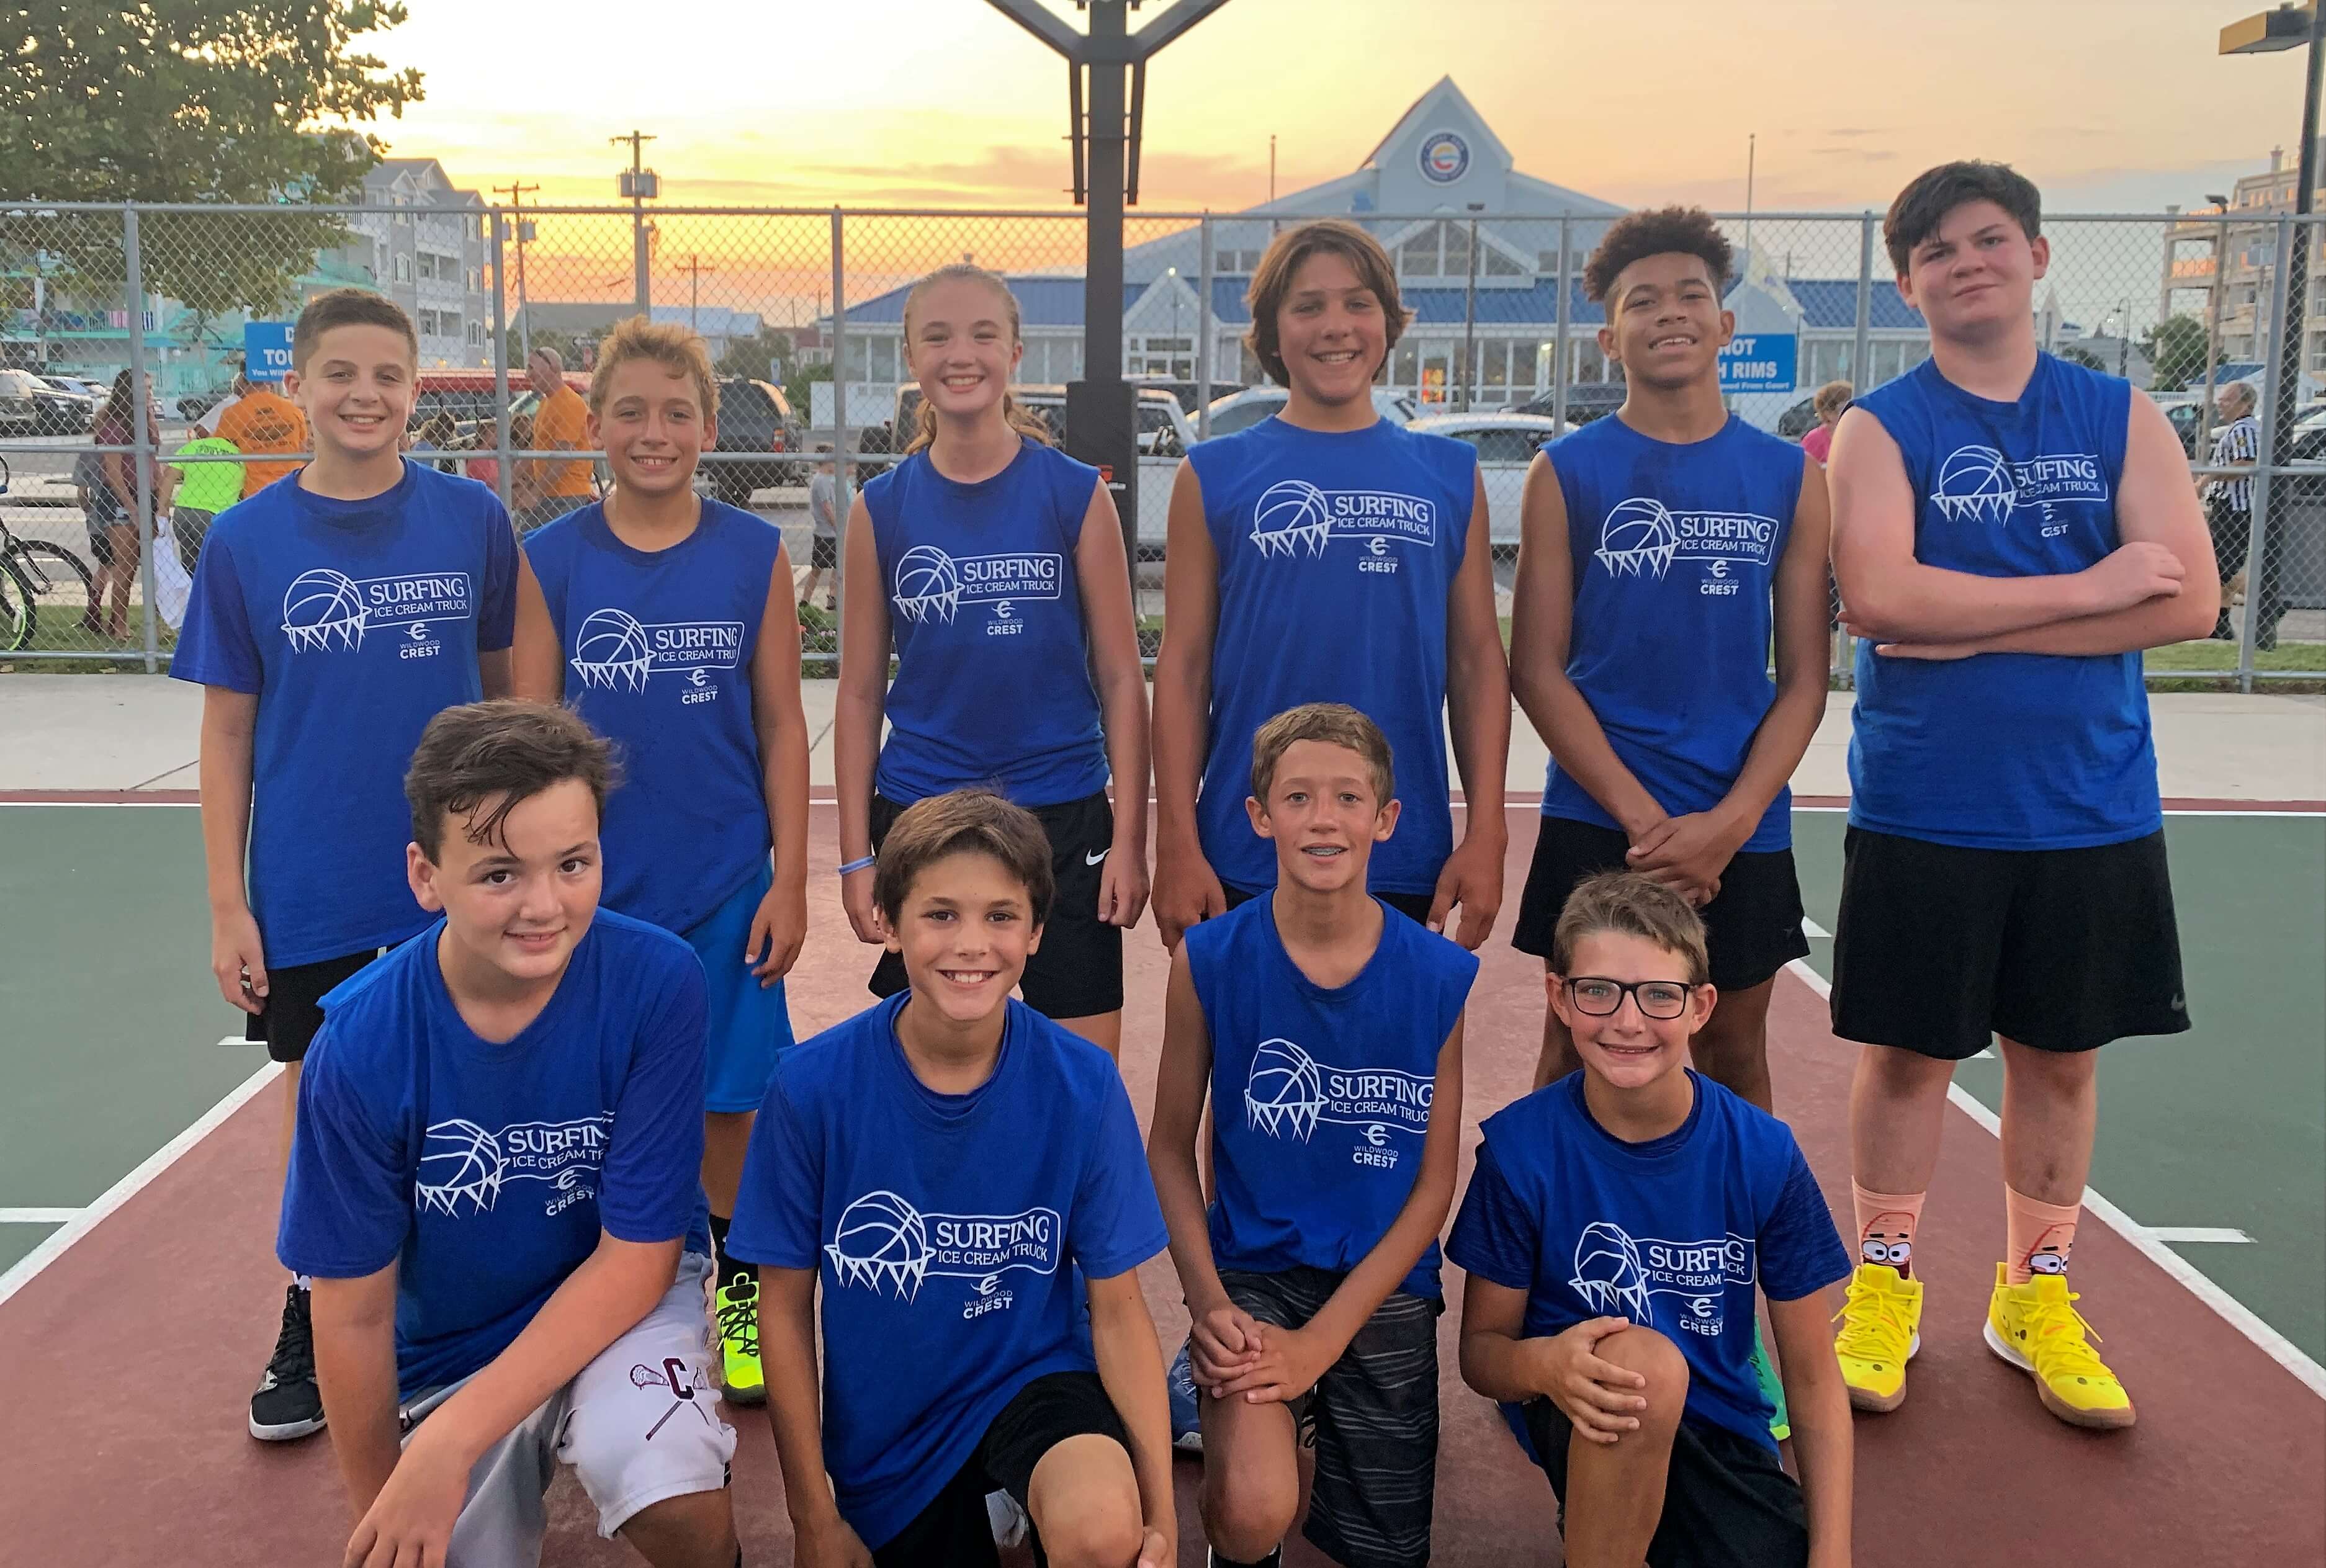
(994, 684)
(658, 647)
(2006, 751)
(1337, 553)
(1320, 1098)
(1675, 554)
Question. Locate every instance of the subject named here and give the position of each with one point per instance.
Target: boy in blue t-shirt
(1616, 1225)
(494, 1182)
(332, 615)
(958, 1174)
(1327, 1029)
(674, 614)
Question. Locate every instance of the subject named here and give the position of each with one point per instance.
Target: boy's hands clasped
(1232, 1352)
(1600, 1399)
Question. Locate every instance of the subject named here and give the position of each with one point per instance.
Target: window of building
(476, 334)
(425, 320)
(476, 280)
(403, 269)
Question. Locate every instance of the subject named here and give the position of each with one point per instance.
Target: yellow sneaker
(2036, 1328)
(1880, 1321)
(738, 1343)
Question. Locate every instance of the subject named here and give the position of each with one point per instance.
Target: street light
(1171, 282)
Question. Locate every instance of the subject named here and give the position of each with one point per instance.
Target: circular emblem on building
(1445, 157)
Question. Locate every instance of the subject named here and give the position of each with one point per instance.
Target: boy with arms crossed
(2010, 531)
(1614, 1230)
(675, 613)
(494, 1183)
(954, 1171)
(330, 618)
(1327, 1027)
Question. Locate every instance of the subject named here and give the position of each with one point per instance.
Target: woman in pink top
(1832, 401)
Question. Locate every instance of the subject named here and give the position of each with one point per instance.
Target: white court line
(38, 1215)
(2235, 1313)
(1810, 928)
(87, 1220)
(2212, 1233)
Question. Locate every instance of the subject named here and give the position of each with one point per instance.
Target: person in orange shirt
(553, 486)
(262, 420)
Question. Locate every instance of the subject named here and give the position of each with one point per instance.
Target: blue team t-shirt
(485, 1171)
(1337, 551)
(1675, 549)
(993, 682)
(1672, 1234)
(658, 647)
(1320, 1098)
(948, 1230)
(2006, 751)
(354, 623)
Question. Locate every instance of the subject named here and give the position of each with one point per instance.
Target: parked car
(1506, 443)
(195, 404)
(1242, 410)
(1190, 394)
(18, 410)
(61, 406)
(1586, 401)
(754, 416)
(1163, 428)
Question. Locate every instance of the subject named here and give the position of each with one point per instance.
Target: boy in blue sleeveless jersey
(1328, 555)
(494, 1182)
(332, 615)
(1615, 1227)
(1326, 1027)
(675, 614)
(1666, 549)
(959, 1174)
(2010, 531)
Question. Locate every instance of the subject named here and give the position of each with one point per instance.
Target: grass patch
(2222, 658)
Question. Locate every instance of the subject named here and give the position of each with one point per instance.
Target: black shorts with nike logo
(1077, 971)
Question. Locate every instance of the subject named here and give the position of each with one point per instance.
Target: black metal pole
(2293, 331)
(1101, 423)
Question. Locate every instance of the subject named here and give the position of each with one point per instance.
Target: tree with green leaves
(2075, 353)
(187, 102)
(751, 355)
(2176, 346)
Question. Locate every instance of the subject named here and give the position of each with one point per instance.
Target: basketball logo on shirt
(882, 1242)
(324, 608)
(1619, 1276)
(463, 1165)
(1289, 1093)
(1641, 538)
(1297, 520)
(1978, 483)
(932, 585)
(613, 650)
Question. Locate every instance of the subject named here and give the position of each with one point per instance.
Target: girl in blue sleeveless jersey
(1326, 555)
(2010, 531)
(666, 621)
(994, 567)
(1666, 548)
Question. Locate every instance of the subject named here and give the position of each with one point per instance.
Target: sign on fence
(266, 349)
(1761, 362)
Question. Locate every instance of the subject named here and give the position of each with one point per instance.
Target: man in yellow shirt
(262, 420)
(549, 488)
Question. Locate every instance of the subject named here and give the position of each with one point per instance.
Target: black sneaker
(2222, 631)
(287, 1403)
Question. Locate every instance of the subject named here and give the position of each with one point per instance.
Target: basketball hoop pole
(1102, 424)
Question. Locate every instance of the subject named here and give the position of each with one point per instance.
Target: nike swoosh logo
(1089, 859)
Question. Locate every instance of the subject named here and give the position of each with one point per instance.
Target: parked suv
(754, 416)
(18, 411)
(1163, 428)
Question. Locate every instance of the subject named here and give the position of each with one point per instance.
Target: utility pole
(693, 269)
(1751, 149)
(640, 184)
(523, 227)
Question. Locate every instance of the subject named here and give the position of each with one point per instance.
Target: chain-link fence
(803, 313)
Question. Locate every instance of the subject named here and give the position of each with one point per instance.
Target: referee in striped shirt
(2229, 502)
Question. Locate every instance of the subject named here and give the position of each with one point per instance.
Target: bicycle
(30, 569)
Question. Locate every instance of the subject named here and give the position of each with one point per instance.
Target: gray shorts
(638, 1425)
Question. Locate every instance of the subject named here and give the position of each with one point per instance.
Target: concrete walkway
(144, 732)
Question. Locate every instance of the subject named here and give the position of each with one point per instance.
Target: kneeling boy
(952, 1167)
(1328, 1028)
(494, 1182)
(1615, 1227)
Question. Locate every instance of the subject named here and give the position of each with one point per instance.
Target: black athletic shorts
(293, 1008)
(1753, 926)
(823, 553)
(1371, 1418)
(1077, 971)
(1728, 1503)
(1938, 947)
(954, 1529)
(1414, 906)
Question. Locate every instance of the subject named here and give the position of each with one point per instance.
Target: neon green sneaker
(1881, 1329)
(1772, 1389)
(739, 1341)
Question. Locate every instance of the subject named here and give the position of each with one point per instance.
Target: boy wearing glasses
(1615, 1229)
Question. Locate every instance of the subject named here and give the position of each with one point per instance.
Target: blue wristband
(852, 867)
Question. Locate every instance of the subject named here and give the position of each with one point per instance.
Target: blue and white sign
(1445, 157)
(1760, 362)
(266, 349)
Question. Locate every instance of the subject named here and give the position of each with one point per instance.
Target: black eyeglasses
(1598, 997)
